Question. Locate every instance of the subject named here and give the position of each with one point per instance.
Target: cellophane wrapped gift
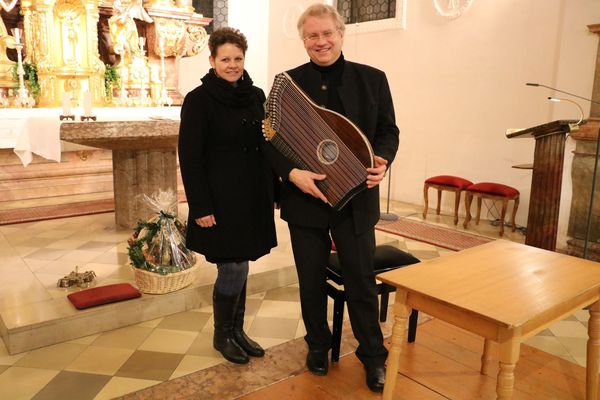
(158, 245)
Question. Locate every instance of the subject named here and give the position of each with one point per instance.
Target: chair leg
(503, 215)
(479, 200)
(468, 199)
(412, 325)
(338, 320)
(439, 203)
(383, 305)
(426, 199)
(456, 204)
(514, 213)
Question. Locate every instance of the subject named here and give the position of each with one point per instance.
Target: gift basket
(160, 261)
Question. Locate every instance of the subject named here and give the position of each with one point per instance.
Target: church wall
(457, 84)
(249, 17)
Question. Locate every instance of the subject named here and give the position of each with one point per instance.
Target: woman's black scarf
(242, 94)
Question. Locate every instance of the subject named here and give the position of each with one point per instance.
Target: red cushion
(449, 180)
(103, 295)
(496, 189)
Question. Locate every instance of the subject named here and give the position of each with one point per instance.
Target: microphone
(562, 91)
(593, 189)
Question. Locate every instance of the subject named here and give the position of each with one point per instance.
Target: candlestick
(142, 43)
(22, 99)
(164, 93)
(161, 45)
(17, 34)
(123, 93)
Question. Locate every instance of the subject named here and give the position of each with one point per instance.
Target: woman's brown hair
(226, 35)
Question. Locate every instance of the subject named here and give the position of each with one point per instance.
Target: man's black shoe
(317, 362)
(375, 378)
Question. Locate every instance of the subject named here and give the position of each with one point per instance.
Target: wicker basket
(153, 283)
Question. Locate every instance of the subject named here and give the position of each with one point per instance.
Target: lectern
(548, 159)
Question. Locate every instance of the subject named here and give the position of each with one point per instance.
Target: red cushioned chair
(450, 183)
(492, 191)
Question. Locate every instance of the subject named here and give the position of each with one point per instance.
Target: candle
(87, 104)
(17, 34)
(66, 104)
(161, 45)
(142, 43)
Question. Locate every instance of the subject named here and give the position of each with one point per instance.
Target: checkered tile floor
(113, 363)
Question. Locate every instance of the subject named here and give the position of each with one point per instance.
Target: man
(361, 93)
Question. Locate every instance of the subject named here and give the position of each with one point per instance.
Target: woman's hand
(305, 180)
(207, 221)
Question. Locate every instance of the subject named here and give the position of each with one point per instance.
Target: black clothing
(224, 172)
(224, 312)
(362, 94)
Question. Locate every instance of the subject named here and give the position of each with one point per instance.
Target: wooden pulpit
(548, 159)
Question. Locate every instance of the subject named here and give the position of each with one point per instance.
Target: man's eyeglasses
(314, 37)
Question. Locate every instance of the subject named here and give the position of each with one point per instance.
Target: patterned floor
(113, 363)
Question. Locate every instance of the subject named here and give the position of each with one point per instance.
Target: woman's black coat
(224, 172)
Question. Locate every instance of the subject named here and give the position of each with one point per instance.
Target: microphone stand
(593, 189)
(387, 216)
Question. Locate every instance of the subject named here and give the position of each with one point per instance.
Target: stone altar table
(144, 159)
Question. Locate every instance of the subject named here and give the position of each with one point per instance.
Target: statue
(6, 41)
(123, 31)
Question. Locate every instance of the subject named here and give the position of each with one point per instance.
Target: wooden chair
(450, 183)
(492, 191)
(386, 258)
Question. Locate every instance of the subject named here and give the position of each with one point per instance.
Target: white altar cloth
(31, 131)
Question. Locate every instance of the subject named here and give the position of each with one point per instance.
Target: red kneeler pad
(103, 295)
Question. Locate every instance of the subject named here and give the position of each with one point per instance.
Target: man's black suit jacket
(367, 101)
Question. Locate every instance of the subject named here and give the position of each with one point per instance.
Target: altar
(144, 160)
(73, 73)
(142, 140)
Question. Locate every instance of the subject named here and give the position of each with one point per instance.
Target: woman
(229, 187)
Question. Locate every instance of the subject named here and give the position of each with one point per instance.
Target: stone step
(57, 320)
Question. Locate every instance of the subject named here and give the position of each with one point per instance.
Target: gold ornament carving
(198, 39)
(70, 41)
(123, 30)
(172, 31)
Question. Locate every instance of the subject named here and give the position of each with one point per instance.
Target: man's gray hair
(319, 10)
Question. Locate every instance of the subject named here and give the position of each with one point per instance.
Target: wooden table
(503, 291)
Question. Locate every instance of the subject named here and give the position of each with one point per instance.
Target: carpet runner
(436, 235)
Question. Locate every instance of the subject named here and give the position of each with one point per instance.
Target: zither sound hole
(328, 151)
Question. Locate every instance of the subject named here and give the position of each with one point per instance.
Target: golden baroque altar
(73, 44)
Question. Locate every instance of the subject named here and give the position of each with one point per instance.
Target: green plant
(31, 76)
(111, 79)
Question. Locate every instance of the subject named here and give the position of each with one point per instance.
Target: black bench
(386, 259)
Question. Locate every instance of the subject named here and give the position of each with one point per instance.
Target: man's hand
(207, 221)
(305, 180)
(376, 173)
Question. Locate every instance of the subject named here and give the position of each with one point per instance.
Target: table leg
(401, 314)
(486, 358)
(510, 346)
(593, 352)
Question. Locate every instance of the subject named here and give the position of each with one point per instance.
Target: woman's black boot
(224, 308)
(248, 345)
